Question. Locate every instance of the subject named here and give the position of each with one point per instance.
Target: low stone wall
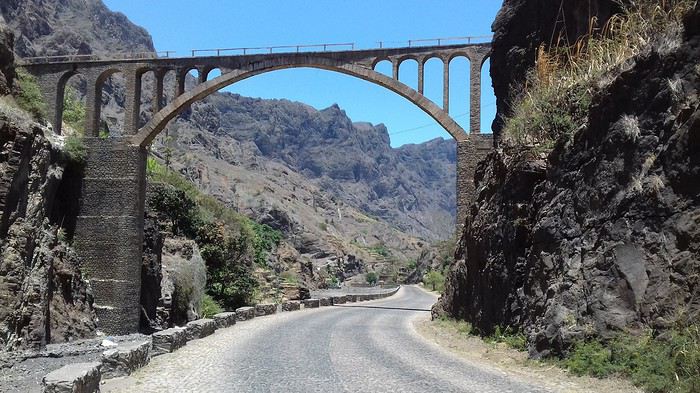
(167, 341)
(245, 313)
(200, 328)
(74, 378)
(291, 306)
(124, 360)
(262, 310)
(225, 319)
(311, 303)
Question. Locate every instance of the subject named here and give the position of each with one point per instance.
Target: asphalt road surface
(358, 347)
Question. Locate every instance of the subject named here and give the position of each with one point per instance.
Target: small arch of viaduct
(109, 231)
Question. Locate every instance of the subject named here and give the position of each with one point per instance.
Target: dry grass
(559, 89)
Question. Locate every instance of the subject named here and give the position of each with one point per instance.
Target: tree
(434, 279)
(371, 278)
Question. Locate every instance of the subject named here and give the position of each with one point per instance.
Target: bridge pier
(469, 152)
(109, 230)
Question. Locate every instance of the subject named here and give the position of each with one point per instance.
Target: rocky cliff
(601, 235)
(44, 297)
(522, 26)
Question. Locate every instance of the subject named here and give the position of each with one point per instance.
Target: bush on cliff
(29, 97)
(556, 98)
(74, 111)
(229, 243)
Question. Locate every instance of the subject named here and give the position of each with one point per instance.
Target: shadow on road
(385, 308)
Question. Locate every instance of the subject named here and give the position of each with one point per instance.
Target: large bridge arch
(160, 120)
(109, 229)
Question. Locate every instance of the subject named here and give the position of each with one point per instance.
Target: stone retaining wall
(125, 359)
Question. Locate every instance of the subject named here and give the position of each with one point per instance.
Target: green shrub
(381, 250)
(265, 239)
(75, 149)
(669, 363)
(434, 280)
(509, 336)
(30, 98)
(289, 277)
(74, 111)
(210, 307)
(175, 205)
(371, 278)
(229, 243)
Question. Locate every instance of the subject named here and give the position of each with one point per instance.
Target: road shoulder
(512, 362)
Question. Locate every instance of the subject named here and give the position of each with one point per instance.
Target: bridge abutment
(469, 152)
(109, 230)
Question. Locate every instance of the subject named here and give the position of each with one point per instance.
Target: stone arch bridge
(109, 230)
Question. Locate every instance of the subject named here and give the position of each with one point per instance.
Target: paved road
(360, 347)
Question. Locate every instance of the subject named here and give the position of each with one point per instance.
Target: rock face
(184, 280)
(603, 235)
(522, 26)
(59, 27)
(44, 298)
(154, 313)
(7, 59)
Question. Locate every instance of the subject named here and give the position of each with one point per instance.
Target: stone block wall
(469, 152)
(109, 230)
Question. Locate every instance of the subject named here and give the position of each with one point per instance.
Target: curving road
(359, 347)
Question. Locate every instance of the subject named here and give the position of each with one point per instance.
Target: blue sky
(184, 25)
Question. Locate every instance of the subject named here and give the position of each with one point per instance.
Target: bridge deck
(154, 58)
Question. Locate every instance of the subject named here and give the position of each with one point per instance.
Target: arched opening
(488, 98)
(408, 73)
(70, 104)
(432, 75)
(148, 104)
(186, 80)
(459, 88)
(212, 73)
(109, 114)
(384, 67)
(170, 87)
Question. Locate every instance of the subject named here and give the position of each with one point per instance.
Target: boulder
(351, 298)
(291, 306)
(265, 309)
(200, 328)
(245, 313)
(225, 319)
(74, 378)
(125, 359)
(167, 341)
(311, 303)
(325, 301)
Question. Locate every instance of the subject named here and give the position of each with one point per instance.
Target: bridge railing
(273, 49)
(93, 57)
(436, 41)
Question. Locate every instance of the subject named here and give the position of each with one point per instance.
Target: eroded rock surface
(603, 235)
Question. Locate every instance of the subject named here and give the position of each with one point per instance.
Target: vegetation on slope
(559, 89)
(230, 244)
